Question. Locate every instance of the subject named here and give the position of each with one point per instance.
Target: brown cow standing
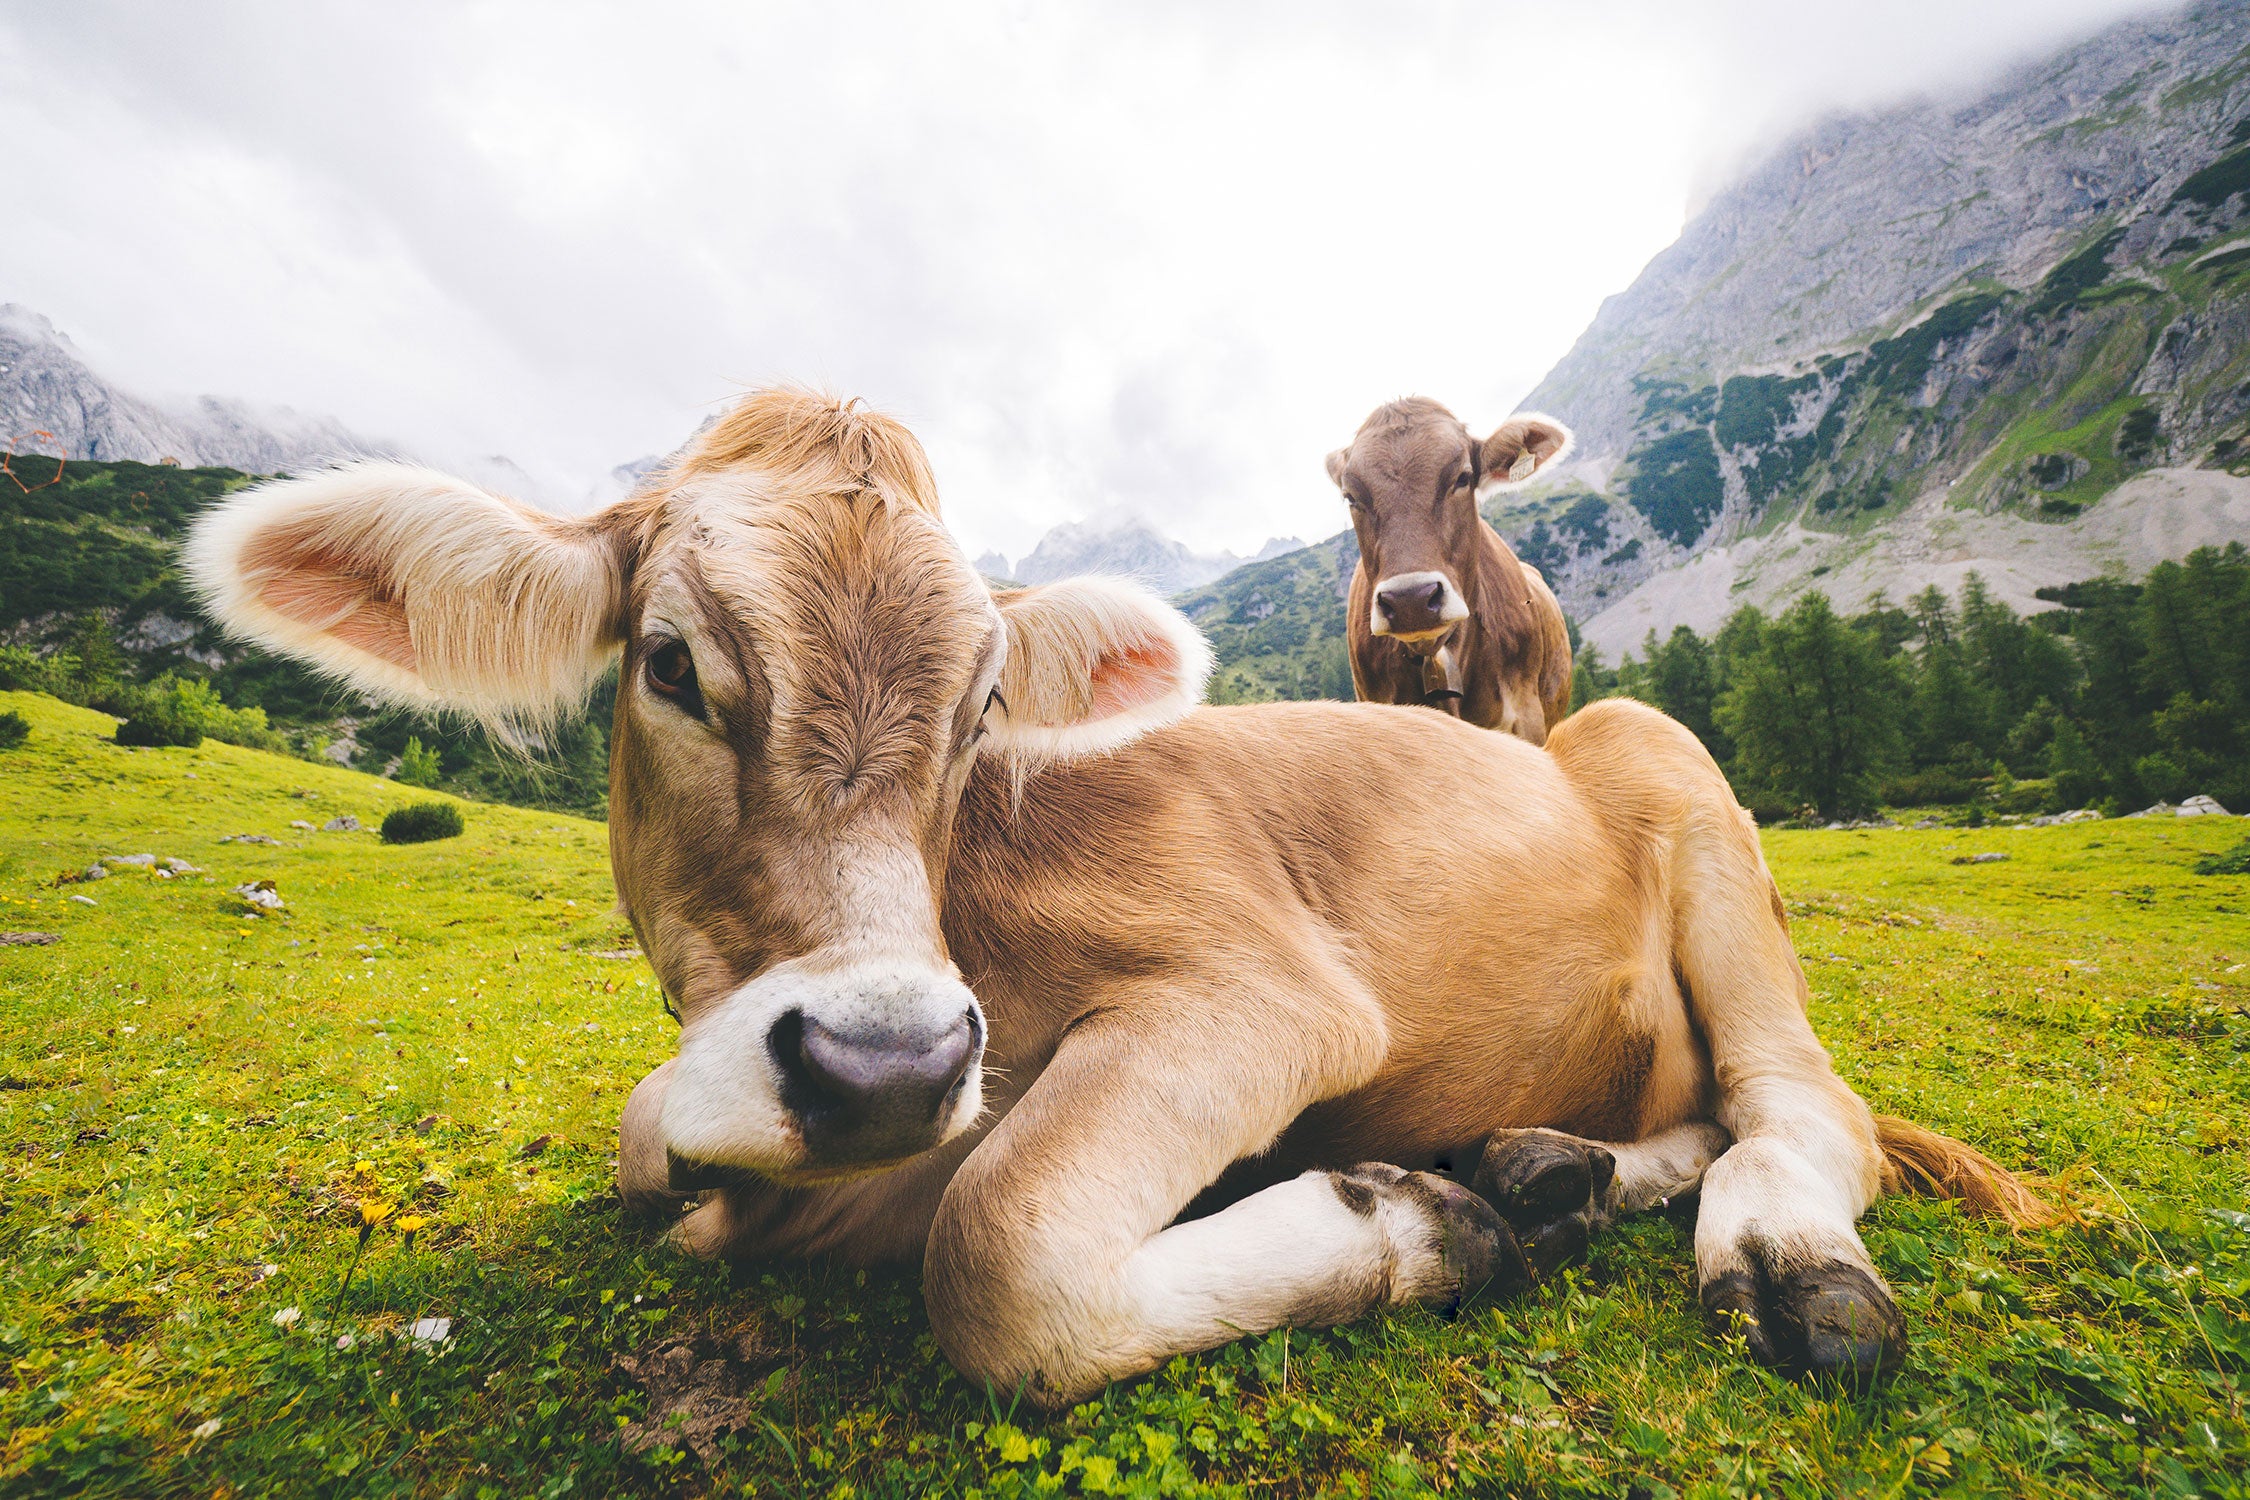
(994, 951)
(1442, 612)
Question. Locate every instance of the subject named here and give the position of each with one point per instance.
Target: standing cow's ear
(1092, 663)
(1337, 462)
(1519, 448)
(417, 588)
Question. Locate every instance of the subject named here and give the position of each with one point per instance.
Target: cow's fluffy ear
(416, 588)
(1092, 663)
(1520, 448)
(1336, 463)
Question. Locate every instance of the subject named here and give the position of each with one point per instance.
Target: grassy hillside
(199, 1109)
(89, 583)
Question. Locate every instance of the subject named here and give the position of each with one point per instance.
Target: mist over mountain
(2008, 334)
(46, 387)
(1124, 546)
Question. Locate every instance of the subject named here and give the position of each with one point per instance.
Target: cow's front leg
(1051, 1269)
(1556, 1190)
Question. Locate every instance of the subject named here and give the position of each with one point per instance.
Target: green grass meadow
(202, 1109)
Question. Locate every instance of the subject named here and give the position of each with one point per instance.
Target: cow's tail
(1919, 1160)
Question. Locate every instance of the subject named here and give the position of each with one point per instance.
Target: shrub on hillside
(189, 701)
(22, 670)
(422, 822)
(2235, 861)
(417, 765)
(14, 730)
(1939, 786)
(161, 720)
(2033, 795)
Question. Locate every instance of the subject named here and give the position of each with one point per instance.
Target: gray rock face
(2008, 306)
(1859, 222)
(47, 387)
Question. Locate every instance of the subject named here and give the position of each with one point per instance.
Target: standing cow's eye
(671, 674)
(1464, 481)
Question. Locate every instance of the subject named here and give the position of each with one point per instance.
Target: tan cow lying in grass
(991, 948)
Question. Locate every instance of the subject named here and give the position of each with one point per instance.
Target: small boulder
(28, 939)
(2079, 815)
(2200, 806)
(249, 838)
(1930, 823)
(137, 861)
(1989, 857)
(345, 823)
(300, 823)
(94, 872)
(261, 894)
(182, 867)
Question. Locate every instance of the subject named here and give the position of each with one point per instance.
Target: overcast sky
(1142, 257)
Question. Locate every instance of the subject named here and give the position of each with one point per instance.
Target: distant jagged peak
(47, 387)
(1125, 543)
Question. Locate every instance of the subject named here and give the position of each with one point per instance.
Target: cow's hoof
(1535, 1177)
(1852, 1327)
(1483, 1253)
(1550, 1188)
(1477, 1253)
(1831, 1318)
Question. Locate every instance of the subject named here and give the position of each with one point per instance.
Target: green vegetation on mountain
(1277, 626)
(248, 1154)
(2002, 306)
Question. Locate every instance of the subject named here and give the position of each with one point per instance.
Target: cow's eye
(983, 714)
(1464, 481)
(671, 673)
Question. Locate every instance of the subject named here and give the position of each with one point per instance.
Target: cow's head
(1412, 476)
(810, 669)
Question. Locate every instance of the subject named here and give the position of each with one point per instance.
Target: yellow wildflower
(372, 1213)
(363, 1167)
(410, 1224)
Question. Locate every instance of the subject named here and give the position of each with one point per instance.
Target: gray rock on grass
(259, 893)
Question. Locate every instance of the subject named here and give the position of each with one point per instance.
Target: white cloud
(1155, 258)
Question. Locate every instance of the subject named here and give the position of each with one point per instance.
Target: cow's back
(1455, 887)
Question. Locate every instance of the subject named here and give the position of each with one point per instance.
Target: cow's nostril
(873, 1089)
(1433, 596)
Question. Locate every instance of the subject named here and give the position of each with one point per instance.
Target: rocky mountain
(2008, 333)
(52, 402)
(1124, 546)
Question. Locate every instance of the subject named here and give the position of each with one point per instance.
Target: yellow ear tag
(1522, 467)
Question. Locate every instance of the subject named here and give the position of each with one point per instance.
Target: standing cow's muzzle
(808, 1073)
(1416, 608)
